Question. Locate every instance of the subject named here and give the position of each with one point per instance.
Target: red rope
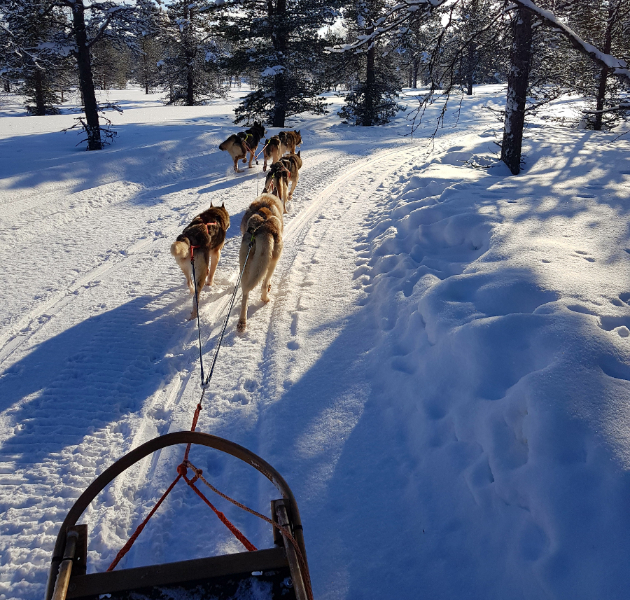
(138, 531)
(181, 472)
(237, 534)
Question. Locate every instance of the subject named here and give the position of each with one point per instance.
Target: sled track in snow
(180, 389)
(95, 437)
(20, 332)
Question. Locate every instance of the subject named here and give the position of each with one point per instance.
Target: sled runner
(277, 572)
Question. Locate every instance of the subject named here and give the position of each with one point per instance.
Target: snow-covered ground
(442, 374)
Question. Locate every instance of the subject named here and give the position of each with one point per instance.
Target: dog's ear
(222, 204)
(299, 152)
(298, 132)
(211, 204)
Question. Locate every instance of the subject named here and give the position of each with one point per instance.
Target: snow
(271, 71)
(441, 376)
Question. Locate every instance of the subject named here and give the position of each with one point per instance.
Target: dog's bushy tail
(181, 249)
(281, 186)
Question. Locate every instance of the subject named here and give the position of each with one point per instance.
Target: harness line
(182, 468)
(227, 316)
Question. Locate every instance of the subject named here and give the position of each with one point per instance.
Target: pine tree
(81, 34)
(373, 102)
(38, 57)
(191, 55)
(148, 48)
(281, 40)
(606, 25)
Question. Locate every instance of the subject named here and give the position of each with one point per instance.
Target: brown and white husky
(262, 226)
(202, 240)
(281, 173)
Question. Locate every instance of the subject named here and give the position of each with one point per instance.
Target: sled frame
(68, 563)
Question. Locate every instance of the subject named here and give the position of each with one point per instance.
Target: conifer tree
(606, 25)
(148, 47)
(281, 40)
(373, 101)
(38, 55)
(191, 55)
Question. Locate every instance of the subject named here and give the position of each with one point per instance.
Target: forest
(291, 52)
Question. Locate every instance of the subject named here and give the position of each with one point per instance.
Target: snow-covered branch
(617, 66)
(111, 13)
(393, 18)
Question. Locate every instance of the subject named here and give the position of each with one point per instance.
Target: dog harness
(192, 248)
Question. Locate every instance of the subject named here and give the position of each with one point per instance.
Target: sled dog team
(262, 224)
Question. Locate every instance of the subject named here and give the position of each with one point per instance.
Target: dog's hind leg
(184, 265)
(283, 193)
(214, 261)
(252, 156)
(246, 287)
(242, 320)
(248, 281)
(201, 274)
(266, 284)
(294, 184)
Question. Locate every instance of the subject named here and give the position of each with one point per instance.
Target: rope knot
(182, 469)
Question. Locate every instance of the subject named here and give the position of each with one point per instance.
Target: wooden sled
(278, 572)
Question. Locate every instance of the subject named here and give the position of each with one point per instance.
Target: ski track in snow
(441, 374)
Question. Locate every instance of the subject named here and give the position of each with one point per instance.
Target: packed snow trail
(124, 374)
(441, 375)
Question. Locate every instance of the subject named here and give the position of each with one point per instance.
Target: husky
(289, 141)
(202, 240)
(286, 170)
(245, 142)
(261, 226)
(271, 150)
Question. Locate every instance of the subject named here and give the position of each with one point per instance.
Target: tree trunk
(86, 82)
(471, 51)
(416, 68)
(190, 83)
(189, 52)
(603, 77)
(280, 43)
(517, 92)
(40, 105)
(470, 69)
(145, 66)
(370, 79)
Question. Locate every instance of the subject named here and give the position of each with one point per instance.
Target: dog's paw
(244, 160)
(241, 326)
(210, 282)
(193, 315)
